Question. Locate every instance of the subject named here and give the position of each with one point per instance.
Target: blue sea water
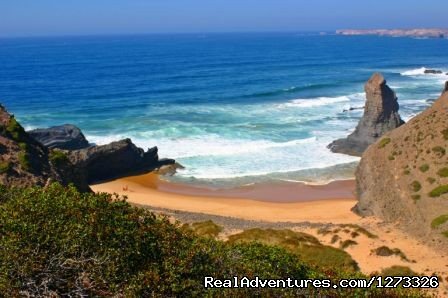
(232, 108)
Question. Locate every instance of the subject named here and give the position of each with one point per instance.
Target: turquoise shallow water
(233, 108)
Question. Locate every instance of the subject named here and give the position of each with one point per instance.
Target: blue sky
(84, 17)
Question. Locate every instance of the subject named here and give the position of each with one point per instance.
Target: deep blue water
(253, 106)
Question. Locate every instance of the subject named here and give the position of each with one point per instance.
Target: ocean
(234, 109)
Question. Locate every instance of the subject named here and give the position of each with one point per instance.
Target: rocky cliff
(404, 176)
(380, 116)
(115, 160)
(25, 162)
(66, 137)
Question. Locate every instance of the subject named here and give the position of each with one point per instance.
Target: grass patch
(416, 197)
(360, 230)
(445, 134)
(439, 191)
(5, 166)
(206, 229)
(335, 239)
(442, 219)
(445, 234)
(398, 271)
(430, 180)
(384, 142)
(424, 168)
(385, 251)
(443, 172)
(416, 186)
(58, 158)
(307, 247)
(439, 151)
(406, 172)
(15, 130)
(347, 243)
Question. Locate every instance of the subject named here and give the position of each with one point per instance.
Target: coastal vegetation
(384, 142)
(385, 251)
(307, 247)
(206, 228)
(439, 191)
(5, 166)
(58, 241)
(442, 219)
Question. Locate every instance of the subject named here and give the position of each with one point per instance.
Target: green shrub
(439, 221)
(24, 160)
(398, 271)
(438, 191)
(307, 247)
(383, 143)
(445, 134)
(360, 230)
(385, 251)
(424, 168)
(416, 197)
(5, 166)
(445, 234)
(58, 158)
(15, 130)
(406, 172)
(443, 172)
(206, 229)
(59, 242)
(416, 186)
(430, 180)
(439, 151)
(347, 243)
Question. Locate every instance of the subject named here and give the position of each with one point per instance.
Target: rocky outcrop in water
(433, 71)
(445, 89)
(66, 137)
(404, 176)
(115, 160)
(26, 162)
(380, 116)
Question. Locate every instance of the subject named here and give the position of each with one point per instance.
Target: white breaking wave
(421, 72)
(214, 157)
(322, 101)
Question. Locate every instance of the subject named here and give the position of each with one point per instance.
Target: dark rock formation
(433, 71)
(25, 162)
(66, 137)
(445, 89)
(404, 176)
(380, 116)
(115, 160)
(353, 109)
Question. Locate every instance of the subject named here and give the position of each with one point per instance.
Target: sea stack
(380, 116)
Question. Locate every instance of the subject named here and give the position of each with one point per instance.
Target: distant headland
(415, 33)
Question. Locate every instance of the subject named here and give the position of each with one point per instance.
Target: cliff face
(380, 116)
(404, 176)
(25, 162)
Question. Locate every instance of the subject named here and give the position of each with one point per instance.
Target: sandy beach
(294, 206)
(295, 202)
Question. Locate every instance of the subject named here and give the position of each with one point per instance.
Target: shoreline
(284, 202)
